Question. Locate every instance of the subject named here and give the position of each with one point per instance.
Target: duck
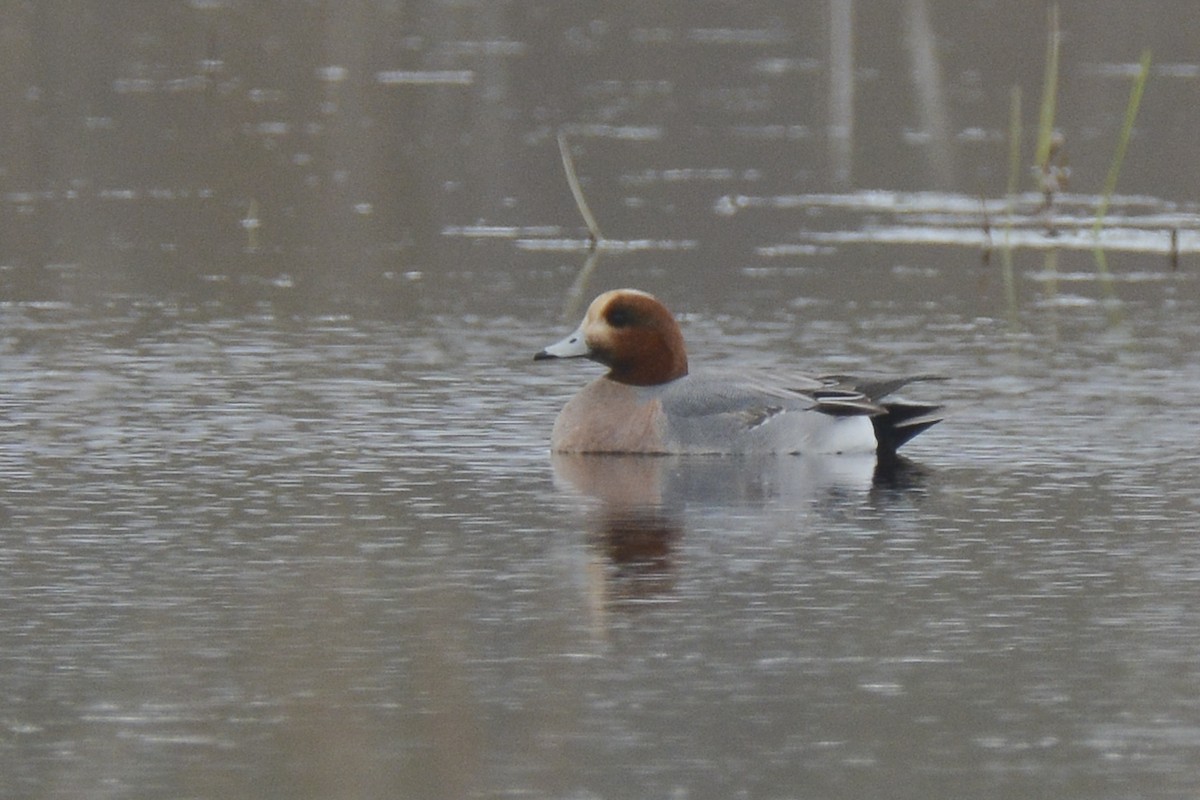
(650, 403)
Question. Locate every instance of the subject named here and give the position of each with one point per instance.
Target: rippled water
(277, 516)
(277, 556)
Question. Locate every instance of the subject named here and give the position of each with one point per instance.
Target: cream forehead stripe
(596, 309)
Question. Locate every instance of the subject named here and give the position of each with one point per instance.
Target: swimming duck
(650, 403)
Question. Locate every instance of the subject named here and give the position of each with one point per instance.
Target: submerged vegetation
(1046, 217)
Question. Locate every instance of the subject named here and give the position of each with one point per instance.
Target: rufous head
(631, 333)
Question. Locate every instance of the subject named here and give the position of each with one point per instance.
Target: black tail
(902, 421)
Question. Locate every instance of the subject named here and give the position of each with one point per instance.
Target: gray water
(277, 515)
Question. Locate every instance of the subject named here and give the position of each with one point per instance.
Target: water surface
(277, 516)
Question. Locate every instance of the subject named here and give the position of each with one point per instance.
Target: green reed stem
(1014, 142)
(1010, 193)
(1131, 111)
(1049, 91)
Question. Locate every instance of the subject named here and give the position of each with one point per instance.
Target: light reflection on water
(339, 552)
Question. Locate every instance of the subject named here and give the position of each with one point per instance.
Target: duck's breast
(610, 417)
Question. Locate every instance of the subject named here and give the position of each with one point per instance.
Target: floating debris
(432, 77)
(649, 177)
(634, 133)
(606, 245)
(501, 231)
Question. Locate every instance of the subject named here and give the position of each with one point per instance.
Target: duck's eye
(620, 316)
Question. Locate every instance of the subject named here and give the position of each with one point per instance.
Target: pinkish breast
(609, 417)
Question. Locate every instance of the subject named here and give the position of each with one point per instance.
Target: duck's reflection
(626, 483)
(633, 530)
(638, 550)
(644, 502)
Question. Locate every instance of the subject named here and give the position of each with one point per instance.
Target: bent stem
(564, 150)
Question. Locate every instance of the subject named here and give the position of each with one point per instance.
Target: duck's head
(631, 333)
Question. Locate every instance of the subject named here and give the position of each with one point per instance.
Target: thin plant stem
(1050, 269)
(1014, 143)
(1010, 192)
(1114, 171)
(1051, 178)
(1107, 285)
(1010, 283)
(577, 191)
(1131, 111)
(1049, 92)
